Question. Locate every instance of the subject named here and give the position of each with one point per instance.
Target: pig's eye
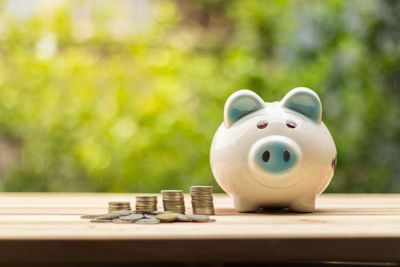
(291, 124)
(262, 124)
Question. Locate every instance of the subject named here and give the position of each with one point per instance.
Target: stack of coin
(146, 204)
(202, 200)
(119, 205)
(173, 200)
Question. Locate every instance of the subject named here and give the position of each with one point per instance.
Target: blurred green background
(125, 96)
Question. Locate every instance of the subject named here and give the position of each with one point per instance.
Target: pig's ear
(239, 104)
(304, 101)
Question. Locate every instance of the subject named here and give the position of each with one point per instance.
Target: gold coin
(148, 221)
(167, 217)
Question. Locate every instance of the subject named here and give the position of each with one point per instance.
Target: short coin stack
(202, 200)
(119, 205)
(173, 200)
(146, 204)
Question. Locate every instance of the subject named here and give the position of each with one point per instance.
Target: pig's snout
(275, 154)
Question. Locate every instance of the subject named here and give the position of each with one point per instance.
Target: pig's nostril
(265, 156)
(286, 156)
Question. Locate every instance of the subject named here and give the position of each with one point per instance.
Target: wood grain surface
(46, 227)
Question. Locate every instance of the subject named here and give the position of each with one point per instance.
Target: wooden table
(45, 227)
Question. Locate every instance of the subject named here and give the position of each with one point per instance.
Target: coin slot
(291, 124)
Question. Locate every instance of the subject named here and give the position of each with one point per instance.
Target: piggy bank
(273, 155)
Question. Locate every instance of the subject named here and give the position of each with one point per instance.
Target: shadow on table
(321, 211)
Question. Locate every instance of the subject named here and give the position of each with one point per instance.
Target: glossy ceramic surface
(276, 154)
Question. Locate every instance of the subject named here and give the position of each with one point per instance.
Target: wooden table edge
(377, 249)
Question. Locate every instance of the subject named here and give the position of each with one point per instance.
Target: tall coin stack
(119, 205)
(146, 204)
(202, 200)
(173, 200)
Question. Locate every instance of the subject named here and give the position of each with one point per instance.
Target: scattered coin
(108, 216)
(147, 221)
(132, 217)
(114, 214)
(160, 212)
(200, 218)
(149, 216)
(121, 212)
(118, 220)
(101, 221)
(167, 217)
(182, 218)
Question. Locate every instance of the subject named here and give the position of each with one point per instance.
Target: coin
(118, 220)
(132, 217)
(119, 205)
(146, 203)
(148, 221)
(201, 188)
(117, 209)
(149, 216)
(182, 218)
(202, 200)
(100, 221)
(200, 218)
(121, 212)
(159, 212)
(146, 197)
(108, 216)
(171, 192)
(114, 214)
(167, 217)
(173, 200)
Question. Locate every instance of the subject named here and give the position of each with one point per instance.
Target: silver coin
(147, 221)
(200, 218)
(182, 218)
(100, 221)
(110, 210)
(132, 217)
(114, 214)
(108, 217)
(121, 212)
(149, 216)
(118, 220)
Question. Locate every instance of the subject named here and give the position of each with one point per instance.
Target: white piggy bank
(276, 154)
